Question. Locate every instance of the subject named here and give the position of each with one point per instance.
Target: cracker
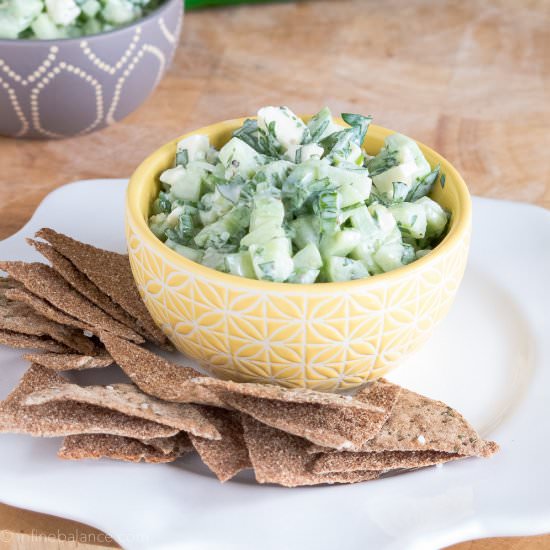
(281, 458)
(180, 442)
(96, 446)
(383, 460)
(228, 456)
(69, 361)
(329, 420)
(23, 341)
(46, 309)
(82, 284)
(419, 423)
(278, 393)
(68, 418)
(157, 376)
(20, 318)
(129, 400)
(44, 282)
(336, 427)
(110, 272)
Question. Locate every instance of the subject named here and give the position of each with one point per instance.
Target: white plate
(490, 359)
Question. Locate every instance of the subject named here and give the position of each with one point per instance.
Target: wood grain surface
(469, 78)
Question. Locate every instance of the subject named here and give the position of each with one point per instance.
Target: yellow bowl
(325, 336)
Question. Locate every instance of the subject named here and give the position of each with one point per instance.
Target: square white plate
(490, 359)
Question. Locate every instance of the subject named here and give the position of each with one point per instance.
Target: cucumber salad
(286, 201)
(50, 19)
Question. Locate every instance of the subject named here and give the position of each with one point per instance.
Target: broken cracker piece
(82, 284)
(128, 399)
(96, 446)
(379, 460)
(110, 272)
(20, 318)
(227, 456)
(281, 458)
(69, 361)
(67, 418)
(179, 442)
(44, 282)
(157, 376)
(24, 341)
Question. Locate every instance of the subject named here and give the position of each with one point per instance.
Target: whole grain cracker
(68, 418)
(24, 341)
(179, 442)
(96, 446)
(329, 426)
(157, 376)
(69, 361)
(281, 458)
(379, 460)
(20, 318)
(46, 283)
(82, 284)
(418, 423)
(227, 456)
(128, 399)
(110, 272)
(278, 393)
(46, 309)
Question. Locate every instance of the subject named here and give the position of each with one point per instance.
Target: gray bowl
(64, 88)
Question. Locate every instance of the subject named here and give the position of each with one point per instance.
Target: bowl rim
(50, 41)
(453, 238)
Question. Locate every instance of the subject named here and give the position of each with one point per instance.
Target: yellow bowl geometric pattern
(329, 336)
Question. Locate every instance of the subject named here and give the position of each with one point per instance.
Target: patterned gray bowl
(64, 88)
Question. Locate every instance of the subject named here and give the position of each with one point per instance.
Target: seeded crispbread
(278, 393)
(329, 420)
(82, 284)
(379, 460)
(24, 341)
(95, 446)
(110, 272)
(281, 458)
(128, 399)
(157, 376)
(69, 361)
(180, 442)
(20, 318)
(418, 423)
(68, 418)
(46, 309)
(227, 456)
(336, 427)
(46, 283)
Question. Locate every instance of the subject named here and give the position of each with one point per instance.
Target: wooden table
(469, 78)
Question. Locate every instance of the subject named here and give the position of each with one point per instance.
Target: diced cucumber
(389, 256)
(288, 128)
(266, 209)
(197, 147)
(275, 172)
(307, 258)
(272, 261)
(240, 159)
(185, 183)
(305, 230)
(263, 234)
(410, 218)
(304, 277)
(213, 206)
(353, 154)
(229, 227)
(436, 217)
(383, 217)
(338, 269)
(191, 253)
(302, 153)
(240, 264)
(45, 29)
(340, 243)
(214, 259)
